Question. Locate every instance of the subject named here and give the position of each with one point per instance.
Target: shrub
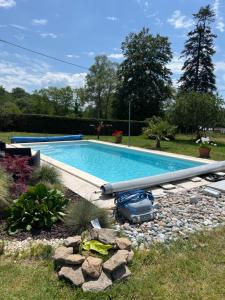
(19, 169)
(46, 174)
(80, 214)
(39, 207)
(60, 124)
(5, 199)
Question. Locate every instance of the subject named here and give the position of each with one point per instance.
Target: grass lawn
(184, 144)
(187, 269)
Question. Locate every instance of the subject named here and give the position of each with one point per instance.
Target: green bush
(39, 207)
(46, 174)
(80, 214)
(5, 199)
(64, 125)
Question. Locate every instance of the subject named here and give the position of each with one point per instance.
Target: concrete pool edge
(157, 152)
(98, 182)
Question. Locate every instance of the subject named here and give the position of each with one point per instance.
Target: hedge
(64, 125)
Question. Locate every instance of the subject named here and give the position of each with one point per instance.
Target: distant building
(219, 129)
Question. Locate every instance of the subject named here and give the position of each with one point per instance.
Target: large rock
(123, 243)
(102, 283)
(92, 266)
(73, 274)
(104, 235)
(61, 253)
(74, 259)
(117, 260)
(121, 273)
(130, 256)
(73, 241)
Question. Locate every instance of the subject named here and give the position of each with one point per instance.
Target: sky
(78, 30)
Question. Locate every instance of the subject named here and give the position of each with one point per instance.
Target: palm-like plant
(160, 129)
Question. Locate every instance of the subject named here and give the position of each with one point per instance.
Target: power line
(42, 54)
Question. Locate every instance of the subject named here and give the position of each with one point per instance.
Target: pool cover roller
(146, 182)
(41, 139)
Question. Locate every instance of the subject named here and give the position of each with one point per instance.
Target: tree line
(143, 78)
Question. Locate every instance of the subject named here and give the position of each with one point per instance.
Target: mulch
(57, 231)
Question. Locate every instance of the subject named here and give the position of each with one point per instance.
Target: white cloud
(36, 76)
(219, 20)
(72, 56)
(7, 3)
(176, 65)
(39, 21)
(49, 35)
(116, 56)
(20, 27)
(90, 53)
(145, 4)
(158, 21)
(180, 21)
(112, 18)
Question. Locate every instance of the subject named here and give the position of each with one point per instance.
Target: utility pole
(129, 123)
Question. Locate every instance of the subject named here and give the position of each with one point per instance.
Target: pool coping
(93, 180)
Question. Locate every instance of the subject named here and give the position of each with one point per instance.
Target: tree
(198, 70)
(19, 93)
(195, 112)
(61, 98)
(160, 129)
(143, 76)
(100, 85)
(9, 108)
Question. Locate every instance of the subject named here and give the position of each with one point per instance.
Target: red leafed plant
(117, 133)
(20, 170)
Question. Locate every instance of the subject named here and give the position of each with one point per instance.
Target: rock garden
(94, 260)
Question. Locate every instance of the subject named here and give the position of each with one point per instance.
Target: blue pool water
(112, 163)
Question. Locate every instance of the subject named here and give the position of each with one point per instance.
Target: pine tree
(198, 69)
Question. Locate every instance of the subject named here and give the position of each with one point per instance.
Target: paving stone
(196, 179)
(168, 186)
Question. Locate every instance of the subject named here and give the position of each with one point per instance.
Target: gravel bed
(177, 215)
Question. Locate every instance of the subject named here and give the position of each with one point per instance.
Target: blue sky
(77, 30)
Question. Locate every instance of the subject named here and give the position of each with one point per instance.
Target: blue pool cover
(35, 139)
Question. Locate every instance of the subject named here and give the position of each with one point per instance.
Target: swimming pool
(112, 163)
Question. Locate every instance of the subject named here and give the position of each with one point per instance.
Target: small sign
(95, 224)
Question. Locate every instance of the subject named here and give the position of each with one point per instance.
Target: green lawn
(188, 269)
(184, 144)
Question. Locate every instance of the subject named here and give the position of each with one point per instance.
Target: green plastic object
(96, 246)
